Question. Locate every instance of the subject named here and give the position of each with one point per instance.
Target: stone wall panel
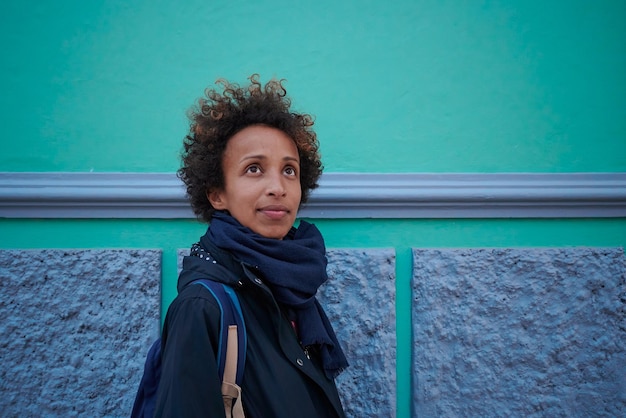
(76, 325)
(360, 300)
(519, 332)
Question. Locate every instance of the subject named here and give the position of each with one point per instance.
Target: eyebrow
(264, 157)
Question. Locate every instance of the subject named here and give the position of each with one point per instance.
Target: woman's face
(261, 181)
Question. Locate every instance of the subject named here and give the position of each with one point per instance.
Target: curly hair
(219, 116)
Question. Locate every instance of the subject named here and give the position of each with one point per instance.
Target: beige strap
(231, 393)
(232, 352)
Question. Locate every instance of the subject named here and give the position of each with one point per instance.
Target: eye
(253, 169)
(291, 171)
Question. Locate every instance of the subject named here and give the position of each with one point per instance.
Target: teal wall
(404, 86)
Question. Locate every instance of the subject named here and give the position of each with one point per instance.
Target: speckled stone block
(360, 301)
(76, 326)
(535, 332)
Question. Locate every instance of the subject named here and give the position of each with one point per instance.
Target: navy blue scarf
(293, 268)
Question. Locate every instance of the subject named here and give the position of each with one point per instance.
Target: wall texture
(78, 323)
(519, 332)
(75, 325)
(360, 297)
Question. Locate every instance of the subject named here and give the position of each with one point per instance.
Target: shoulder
(194, 304)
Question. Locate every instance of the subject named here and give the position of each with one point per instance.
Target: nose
(276, 186)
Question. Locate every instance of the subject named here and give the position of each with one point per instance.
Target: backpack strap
(231, 354)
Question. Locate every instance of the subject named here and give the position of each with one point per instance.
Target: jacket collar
(221, 267)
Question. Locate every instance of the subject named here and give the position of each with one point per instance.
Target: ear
(215, 199)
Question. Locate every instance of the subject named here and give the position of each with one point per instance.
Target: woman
(248, 165)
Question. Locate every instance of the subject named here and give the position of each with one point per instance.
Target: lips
(275, 211)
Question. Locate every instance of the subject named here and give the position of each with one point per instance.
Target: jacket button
(258, 281)
(300, 362)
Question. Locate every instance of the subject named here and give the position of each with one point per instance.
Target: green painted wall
(396, 86)
(403, 86)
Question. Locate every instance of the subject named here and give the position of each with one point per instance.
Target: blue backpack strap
(231, 314)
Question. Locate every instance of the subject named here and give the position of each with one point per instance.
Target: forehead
(261, 140)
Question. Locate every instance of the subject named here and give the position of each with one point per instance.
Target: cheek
(297, 191)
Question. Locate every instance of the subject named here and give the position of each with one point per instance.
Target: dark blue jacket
(280, 379)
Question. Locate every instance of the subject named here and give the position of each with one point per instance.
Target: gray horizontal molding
(340, 195)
